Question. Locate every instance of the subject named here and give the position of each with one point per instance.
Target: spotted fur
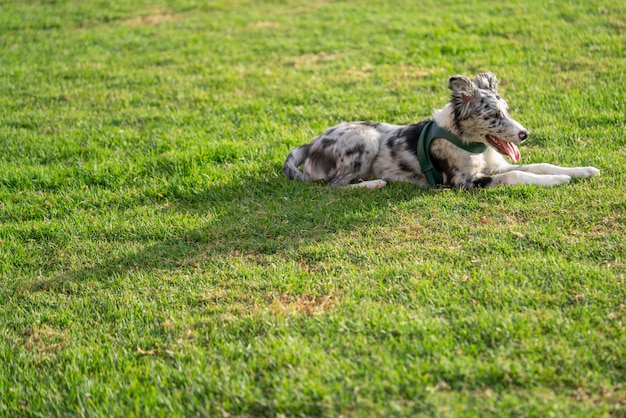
(358, 151)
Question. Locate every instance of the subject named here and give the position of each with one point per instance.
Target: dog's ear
(462, 88)
(486, 80)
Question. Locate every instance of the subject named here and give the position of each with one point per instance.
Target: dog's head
(481, 115)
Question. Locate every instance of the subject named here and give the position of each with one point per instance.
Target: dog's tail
(294, 160)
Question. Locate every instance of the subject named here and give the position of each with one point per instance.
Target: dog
(462, 146)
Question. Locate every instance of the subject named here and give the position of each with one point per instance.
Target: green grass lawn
(155, 262)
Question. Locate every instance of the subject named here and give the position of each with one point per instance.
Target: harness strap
(429, 133)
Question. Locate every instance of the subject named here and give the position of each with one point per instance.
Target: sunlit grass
(155, 262)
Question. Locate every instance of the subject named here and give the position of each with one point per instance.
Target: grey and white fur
(358, 151)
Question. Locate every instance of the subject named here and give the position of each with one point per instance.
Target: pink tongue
(511, 150)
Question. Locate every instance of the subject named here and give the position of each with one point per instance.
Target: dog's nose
(523, 134)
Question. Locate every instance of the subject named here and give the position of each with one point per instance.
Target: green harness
(430, 132)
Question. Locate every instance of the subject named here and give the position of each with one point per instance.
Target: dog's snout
(523, 135)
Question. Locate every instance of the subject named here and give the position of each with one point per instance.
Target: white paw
(583, 172)
(376, 184)
(371, 184)
(555, 179)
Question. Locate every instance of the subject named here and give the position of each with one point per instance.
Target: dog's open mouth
(506, 148)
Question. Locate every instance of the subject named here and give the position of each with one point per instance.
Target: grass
(155, 262)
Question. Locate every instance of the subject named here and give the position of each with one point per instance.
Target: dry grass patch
(44, 340)
(309, 59)
(266, 24)
(307, 304)
(153, 17)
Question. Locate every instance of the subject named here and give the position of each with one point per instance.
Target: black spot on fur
(458, 117)
(406, 167)
(327, 141)
(412, 134)
(371, 124)
(356, 166)
(482, 182)
(321, 162)
(357, 149)
(442, 166)
(391, 143)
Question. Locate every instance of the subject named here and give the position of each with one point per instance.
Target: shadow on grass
(253, 218)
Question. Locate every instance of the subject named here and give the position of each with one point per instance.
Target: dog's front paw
(584, 172)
